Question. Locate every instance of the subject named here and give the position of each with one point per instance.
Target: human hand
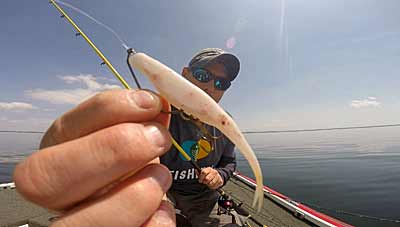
(93, 163)
(211, 178)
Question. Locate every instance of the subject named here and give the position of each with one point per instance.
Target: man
(193, 193)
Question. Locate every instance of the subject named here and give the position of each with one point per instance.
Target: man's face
(217, 69)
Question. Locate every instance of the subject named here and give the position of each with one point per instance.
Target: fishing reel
(227, 206)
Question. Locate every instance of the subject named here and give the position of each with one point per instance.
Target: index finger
(204, 172)
(103, 110)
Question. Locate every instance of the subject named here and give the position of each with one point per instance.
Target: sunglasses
(205, 76)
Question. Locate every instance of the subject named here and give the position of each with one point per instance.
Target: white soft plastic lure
(193, 101)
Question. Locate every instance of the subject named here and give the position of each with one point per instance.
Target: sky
(304, 64)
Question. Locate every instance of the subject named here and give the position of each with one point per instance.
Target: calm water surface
(356, 170)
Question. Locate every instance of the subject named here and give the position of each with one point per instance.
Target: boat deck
(271, 215)
(15, 211)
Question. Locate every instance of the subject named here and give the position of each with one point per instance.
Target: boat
(278, 210)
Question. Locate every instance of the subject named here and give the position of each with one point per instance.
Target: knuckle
(106, 98)
(123, 142)
(103, 100)
(55, 134)
(59, 129)
(100, 99)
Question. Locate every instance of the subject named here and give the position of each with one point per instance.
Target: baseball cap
(215, 55)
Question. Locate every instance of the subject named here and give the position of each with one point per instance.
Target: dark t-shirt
(189, 136)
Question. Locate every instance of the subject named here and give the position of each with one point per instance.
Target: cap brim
(231, 63)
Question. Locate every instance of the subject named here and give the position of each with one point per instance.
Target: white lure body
(186, 96)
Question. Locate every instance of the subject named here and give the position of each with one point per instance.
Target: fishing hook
(130, 52)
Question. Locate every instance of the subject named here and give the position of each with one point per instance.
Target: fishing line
(96, 21)
(130, 52)
(127, 48)
(80, 32)
(261, 131)
(322, 129)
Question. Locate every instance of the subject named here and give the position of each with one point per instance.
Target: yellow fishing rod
(98, 52)
(110, 66)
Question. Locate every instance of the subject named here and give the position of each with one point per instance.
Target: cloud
(72, 96)
(90, 82)
(16, 106)
(369, 102)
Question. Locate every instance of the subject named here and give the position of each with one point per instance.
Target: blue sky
(304, 64)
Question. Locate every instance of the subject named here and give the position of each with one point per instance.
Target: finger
(164, 118)
(103, 110)
(129, 204)
(110, 186)
(215, 183)
(203, 174)
(62, 175)
(209, 177)
(164, 216)
(212, 184)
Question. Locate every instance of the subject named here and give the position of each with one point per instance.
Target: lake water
(356, 171)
